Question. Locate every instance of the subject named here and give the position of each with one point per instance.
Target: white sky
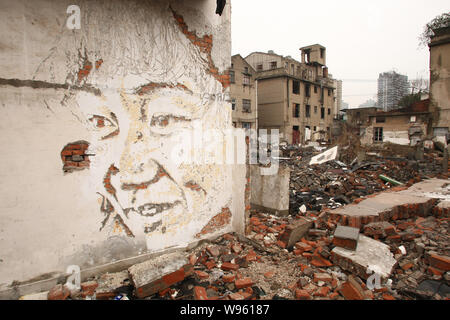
(363, 38)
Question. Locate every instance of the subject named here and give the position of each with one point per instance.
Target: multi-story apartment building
(297, 98)
(392, 87)
(243, 93)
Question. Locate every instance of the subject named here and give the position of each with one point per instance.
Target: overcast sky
(363, 38)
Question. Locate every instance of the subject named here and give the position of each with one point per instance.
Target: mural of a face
(134, 126)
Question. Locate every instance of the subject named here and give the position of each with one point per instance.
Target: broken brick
(352, 290)
(58, 292)
(302, 294)
(325, 277)
(228, 266)
(200, 293)
(243, 283)
(439, 262)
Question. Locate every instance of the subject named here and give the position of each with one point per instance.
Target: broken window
(232, 80)
(296, 110)
(378, 135)
(322, 113)
(273, 65)
(295, 87)
(308, 111)
(246, 105)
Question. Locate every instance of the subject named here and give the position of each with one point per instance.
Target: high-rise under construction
(392, 86)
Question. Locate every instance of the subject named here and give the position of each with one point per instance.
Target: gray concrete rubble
(370, 256)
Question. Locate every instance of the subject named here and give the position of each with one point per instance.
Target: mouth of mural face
(152, 209)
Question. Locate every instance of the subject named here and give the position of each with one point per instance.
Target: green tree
(410, 99)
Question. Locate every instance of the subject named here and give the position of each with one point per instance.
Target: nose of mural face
(145, 190)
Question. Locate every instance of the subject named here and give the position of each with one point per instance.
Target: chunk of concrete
(369, 255)
(346, 237)
(160, 273)
(295, 231)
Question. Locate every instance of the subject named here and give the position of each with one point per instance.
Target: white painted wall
(51, 219)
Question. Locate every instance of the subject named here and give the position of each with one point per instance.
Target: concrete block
(295, 231)
(369, 253)
(160, 273)
(346, 237)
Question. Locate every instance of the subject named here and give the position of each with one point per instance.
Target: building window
(246, 69)
(329, 111)
(413, 119)
(273, 65)
(308, 111)
(234, 124)
(232, 80)
(308, 90)
(295, 87)
(380, 120)
(322, 113)
(246, 125)
(315, 128)
(378, 135)
(246, 105)
(315, 109)
(315, 89)
(233, 104)
(329, 92)
(322, 53)
(259, 67)
(296, 110)
(246, 80)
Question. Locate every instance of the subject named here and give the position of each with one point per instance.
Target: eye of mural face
(106, 126)
(164, 124)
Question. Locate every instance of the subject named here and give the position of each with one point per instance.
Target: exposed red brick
(439, 262)
(302, 295)
(74, 156)
(322, 292)
(325, 277)
(228, 278)
(388, 297)
(243, 283)
(88, 288)
(58, 292)
(228, 266)
(201, 274)
(216, 223)
(200, 293)
(352, 290)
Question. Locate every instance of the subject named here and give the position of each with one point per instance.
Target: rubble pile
(334, 183)
(298, 258)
